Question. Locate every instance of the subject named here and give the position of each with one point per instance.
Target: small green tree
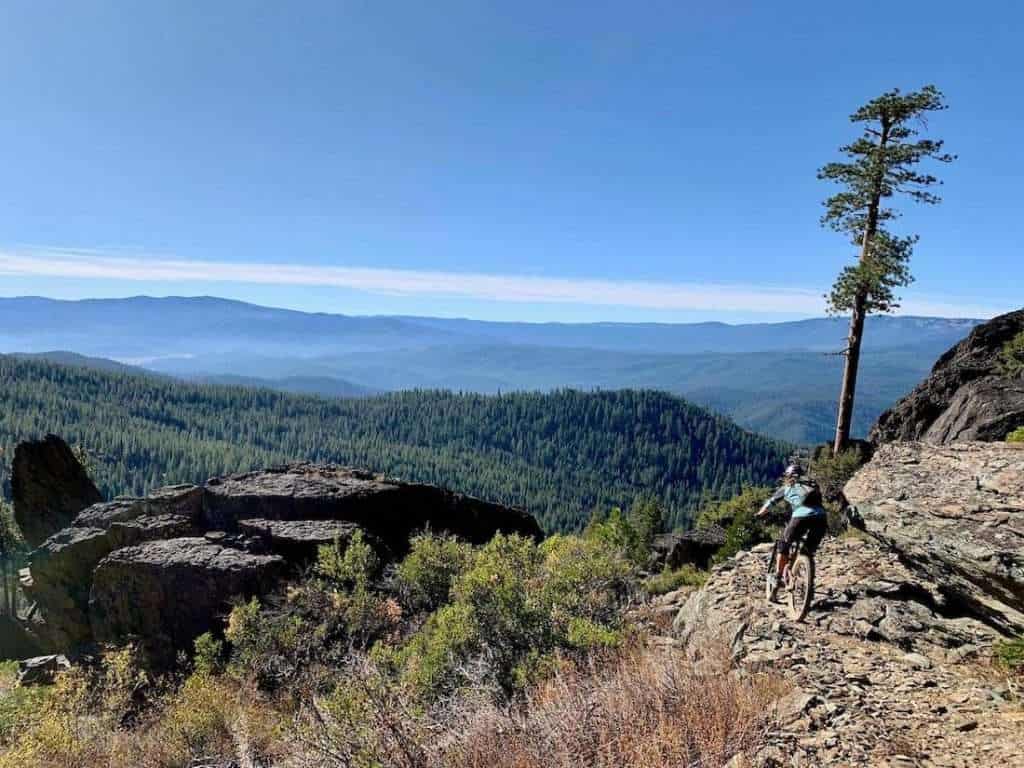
(1011, 357)
(647, 517)
(881, 164)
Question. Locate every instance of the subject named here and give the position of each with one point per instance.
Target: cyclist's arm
(777, 496)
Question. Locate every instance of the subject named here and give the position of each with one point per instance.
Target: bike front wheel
(801, 586)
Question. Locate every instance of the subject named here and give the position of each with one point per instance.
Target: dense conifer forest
(559, 455)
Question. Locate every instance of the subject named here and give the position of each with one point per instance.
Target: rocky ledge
(891, 667)
(164, 568)
(967, 396)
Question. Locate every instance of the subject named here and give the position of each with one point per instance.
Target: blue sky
(527, 160)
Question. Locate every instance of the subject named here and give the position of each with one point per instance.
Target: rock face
(890, 666)
(956, 515)
(163, 569)
(136, 590)
(61, 568)
(694, 547)
(49, 487)
(965, 397)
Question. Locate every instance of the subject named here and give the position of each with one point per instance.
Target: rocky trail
(880, 678)
(892, 665)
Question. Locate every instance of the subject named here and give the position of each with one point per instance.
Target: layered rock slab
(61, 569)
(390, 509)
(693, 547)
(955, 514)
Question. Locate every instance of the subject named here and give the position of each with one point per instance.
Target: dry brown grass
(639, 708)
(645, 709)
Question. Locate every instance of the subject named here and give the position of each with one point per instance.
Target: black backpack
(813, 497)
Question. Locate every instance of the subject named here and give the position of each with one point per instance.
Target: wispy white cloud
(648, 295)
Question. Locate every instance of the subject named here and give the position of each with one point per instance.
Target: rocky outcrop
(41, 670)
(49, 487)
(162, 569)
(164, 594)
(693, 547)
(890, 667)
(966, 396)
(60, 573)
(390, 510)
(955, 514)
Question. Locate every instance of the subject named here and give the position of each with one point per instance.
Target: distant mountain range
(776, 378)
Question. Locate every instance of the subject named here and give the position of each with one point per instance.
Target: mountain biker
(809, 518)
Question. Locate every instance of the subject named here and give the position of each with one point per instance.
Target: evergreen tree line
(559, 455)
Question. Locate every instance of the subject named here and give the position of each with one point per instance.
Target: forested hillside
(559, 455)
(778, 379)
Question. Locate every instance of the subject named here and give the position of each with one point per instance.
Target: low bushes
(669, 580)
(509, 654)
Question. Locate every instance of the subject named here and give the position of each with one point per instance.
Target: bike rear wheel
(771, 578)
(801, 586)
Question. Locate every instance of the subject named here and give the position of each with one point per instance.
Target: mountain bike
(797, 579)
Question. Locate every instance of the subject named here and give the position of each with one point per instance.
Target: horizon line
(502, 288)
(464, 318)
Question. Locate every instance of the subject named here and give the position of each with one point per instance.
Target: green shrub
(1009, 654)
(742, 529)
(832, 472)
(647, 518)
(583, 578)
(1011, 358)
(425, 576)
(1017, 436)
(669, 580)
(586, 635)
(514, 608)
(433, 663)
(723, 511)
(264, 646)
(18, 705)
(209, 655)
(351, 566)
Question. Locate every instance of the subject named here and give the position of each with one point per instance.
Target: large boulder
(955, 513)
(134, 568)
(693, 547)
(390, 509)
(164, 594)
(966, 396)
(49, 487)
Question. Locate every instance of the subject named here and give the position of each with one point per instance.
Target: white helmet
(793, 470)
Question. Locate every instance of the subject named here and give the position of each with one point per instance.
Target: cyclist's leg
(816, 529)
(789, 535)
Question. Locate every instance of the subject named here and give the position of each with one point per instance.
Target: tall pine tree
(881, 163)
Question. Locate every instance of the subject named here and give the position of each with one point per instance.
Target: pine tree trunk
(844, 419)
